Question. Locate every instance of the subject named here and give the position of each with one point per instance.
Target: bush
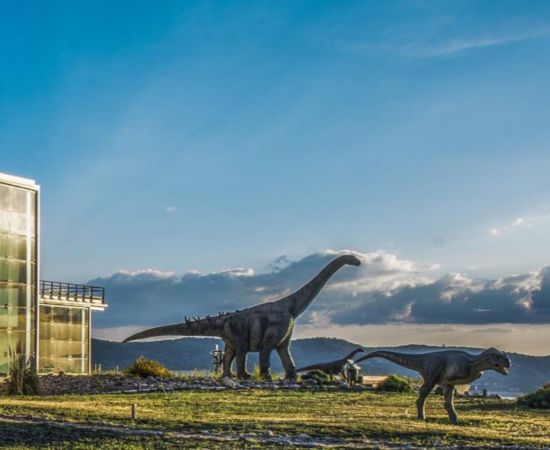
(21, 378)
(317, 375)
(539, 399)
(395, 383)
(257, 377)
(143, 368)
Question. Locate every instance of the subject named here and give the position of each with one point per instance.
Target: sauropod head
(352, 260)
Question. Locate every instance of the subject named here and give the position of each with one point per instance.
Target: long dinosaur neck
(413, 362)
(302, 298)
(353, 353)
(200, 327)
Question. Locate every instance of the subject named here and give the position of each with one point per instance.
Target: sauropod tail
(200, 327)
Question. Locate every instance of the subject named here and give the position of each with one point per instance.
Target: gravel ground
(119, 383)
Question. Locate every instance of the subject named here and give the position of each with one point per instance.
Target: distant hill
(527, 374)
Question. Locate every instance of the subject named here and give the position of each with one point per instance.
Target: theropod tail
(200, 327)
(328, 365)
(403, 359)
(312, 367)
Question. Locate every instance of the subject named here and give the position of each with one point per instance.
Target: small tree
(318, 375)
(22, 380)
(539, 399)
(143, 368)
(395, 383)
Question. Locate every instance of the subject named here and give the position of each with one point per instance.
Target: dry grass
(390, 417)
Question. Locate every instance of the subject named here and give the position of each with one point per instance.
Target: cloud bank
(385, 289)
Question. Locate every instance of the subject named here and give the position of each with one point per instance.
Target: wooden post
(134, 411)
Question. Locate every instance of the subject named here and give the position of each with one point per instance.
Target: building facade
(48, 322)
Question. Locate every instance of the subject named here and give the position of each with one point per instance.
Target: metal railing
(72, 292)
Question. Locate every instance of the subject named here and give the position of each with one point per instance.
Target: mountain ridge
(190, 353)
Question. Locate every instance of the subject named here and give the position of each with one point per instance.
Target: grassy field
(354, 417)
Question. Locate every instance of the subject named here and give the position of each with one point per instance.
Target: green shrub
(21, 378)
(143, 368)
(395, 383)
(256, 375)
(317, 375)
(539, 399)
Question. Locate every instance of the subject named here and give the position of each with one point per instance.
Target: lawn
(354, 417)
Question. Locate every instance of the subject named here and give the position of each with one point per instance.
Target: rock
(309, 382)
(120, 383)
(229, 383)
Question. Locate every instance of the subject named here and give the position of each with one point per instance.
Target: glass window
(17, 271)
(63, 339)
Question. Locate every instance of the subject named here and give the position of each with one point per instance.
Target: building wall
(64, 339)
(52, 333)
(18, 271)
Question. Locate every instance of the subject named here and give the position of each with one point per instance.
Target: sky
(185, 142)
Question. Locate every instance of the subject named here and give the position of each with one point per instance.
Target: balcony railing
(56, 290)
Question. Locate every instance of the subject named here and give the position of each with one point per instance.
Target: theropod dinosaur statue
(446, 369)
(332, 368)
(261, 328)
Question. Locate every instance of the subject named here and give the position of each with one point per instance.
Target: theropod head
(496, 360)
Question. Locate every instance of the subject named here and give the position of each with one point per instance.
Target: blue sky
(213, 135)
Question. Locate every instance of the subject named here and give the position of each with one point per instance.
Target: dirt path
(231, 439)
(39, 432)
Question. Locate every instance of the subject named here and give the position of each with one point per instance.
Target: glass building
(48, 322)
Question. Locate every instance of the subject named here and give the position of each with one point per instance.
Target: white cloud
(381, 270)
(170, 209)
(384, 289)
(518, 223)
(149, 273)
(522, 222)
(238, 272)
(195, 293)
(453, 284)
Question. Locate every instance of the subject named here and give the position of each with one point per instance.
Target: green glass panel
(63, 339)
(17, 260)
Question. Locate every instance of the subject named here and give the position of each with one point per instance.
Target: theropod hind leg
(420, 402)
(449, 391)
